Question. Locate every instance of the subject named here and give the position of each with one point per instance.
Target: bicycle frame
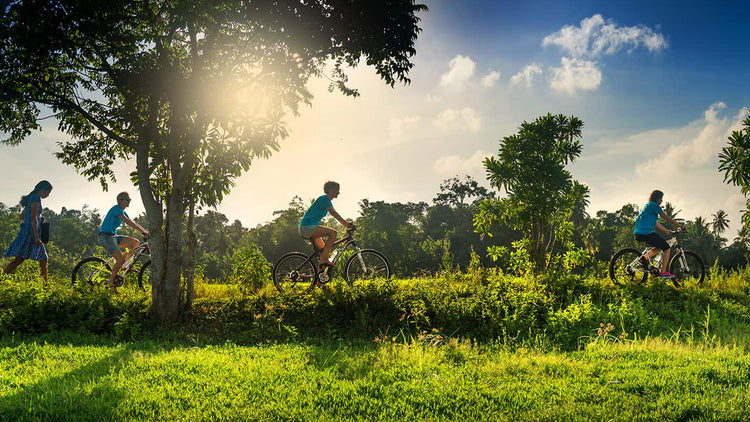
(654, 267)
(142, 250)
(337, 251)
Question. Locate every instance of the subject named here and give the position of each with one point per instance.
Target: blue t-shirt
(646, 222)
(112, 220)
(316, 212)
(27, 209)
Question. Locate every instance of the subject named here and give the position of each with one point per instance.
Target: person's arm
(35, 223)
(339, 218)
(133, 224)
(662, 228)
(670, 220)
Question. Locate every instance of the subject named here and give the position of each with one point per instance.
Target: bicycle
(96, 271)
(297, 273)
(625, 267)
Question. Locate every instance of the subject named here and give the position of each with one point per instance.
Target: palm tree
(720, 222)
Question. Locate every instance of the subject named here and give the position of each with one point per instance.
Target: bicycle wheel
(91, 272)
(687, 266)
(624, 268)
(294, 274)
(144, 276)
(372, 265)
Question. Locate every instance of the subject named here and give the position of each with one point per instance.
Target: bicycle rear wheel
(373, 265)
(294, 274)
(625, 270)
(144, 276)
(687, 267)
(91, 272)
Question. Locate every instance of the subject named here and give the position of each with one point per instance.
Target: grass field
(77, 377)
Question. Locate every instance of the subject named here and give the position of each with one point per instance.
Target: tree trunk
(190, 270)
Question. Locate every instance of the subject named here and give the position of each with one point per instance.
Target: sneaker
(644, 262)
(666, 275)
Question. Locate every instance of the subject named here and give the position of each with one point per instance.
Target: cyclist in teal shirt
(310, 228)
(112, 243)
(644, 231)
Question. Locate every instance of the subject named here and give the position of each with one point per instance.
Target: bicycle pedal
(119, 281)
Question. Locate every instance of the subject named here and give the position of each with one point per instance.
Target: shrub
(250, 269)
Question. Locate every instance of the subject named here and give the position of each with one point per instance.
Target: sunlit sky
(659, 85)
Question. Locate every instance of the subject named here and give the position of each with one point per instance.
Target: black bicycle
(297, 273)
(94, 271)
(625, 266)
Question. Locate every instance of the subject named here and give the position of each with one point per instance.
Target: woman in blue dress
(28, 243)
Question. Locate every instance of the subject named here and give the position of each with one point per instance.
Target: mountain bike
(625, 266)
(297, 273)
(94, 271)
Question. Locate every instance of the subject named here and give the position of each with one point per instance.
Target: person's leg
(318, 243)
(129, 243)
(330, 236)
(12, 266)
(665, 260)
(43, 269)
(119, 260)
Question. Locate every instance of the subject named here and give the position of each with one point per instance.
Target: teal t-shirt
(646, 222)
(316, 212)
(112, 220)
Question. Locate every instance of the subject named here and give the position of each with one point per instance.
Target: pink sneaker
(666, 275)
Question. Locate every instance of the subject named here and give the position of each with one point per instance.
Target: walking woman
(28, 243)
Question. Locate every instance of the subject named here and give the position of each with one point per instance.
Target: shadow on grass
(84, 393)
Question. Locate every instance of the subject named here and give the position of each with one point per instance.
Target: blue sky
(659, 86)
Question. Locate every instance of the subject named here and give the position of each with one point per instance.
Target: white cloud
(595, 37)
(489, 80)
(451, 165)
(527, 75)
(403, 128)
(575, 74)
(696, 152)
(464, 119)
(461, 71)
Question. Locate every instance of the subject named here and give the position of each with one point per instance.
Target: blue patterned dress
(24, 245)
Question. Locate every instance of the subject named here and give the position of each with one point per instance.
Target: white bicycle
(625, 267)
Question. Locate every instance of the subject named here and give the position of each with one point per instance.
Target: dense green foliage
(734, 162)
(541, 192)
(483, 305)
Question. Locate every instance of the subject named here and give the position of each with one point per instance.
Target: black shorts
(653, 239)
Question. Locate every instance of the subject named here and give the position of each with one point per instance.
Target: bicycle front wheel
(367, 264)
(144, 276)
(624, 268)
(294, 274)
(91, 272)
(688, 266)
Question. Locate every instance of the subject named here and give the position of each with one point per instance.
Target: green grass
(75, 377)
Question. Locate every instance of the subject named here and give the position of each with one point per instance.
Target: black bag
(44, 235)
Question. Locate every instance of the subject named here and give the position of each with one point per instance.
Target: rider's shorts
(110, 242)
(306, 231)
(653, 239)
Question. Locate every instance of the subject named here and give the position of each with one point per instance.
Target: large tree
(192, 90)
(734, 162)
(530, 168)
